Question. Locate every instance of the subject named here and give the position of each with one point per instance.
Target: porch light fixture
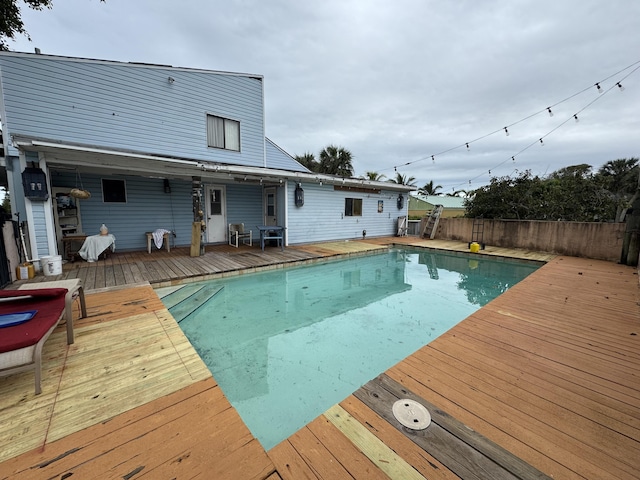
(400, 201)
(171, 80)
(299, 195)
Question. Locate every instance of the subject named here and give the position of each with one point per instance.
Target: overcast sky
(396, 82)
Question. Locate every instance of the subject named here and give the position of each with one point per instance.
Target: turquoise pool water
(285, 345)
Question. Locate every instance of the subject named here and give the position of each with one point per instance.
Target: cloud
(395, 82)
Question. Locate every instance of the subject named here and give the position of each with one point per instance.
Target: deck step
(176, 295)
(193, 302)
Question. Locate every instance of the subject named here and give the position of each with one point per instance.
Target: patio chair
(28, 317)
(236, 233)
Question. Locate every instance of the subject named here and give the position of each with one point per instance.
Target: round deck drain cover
(411, 414)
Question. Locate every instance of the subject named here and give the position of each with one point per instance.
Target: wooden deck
(543, 381)
(162, 268)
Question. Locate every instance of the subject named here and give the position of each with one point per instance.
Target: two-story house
(143, 140)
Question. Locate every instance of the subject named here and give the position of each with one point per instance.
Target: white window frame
(223, 133)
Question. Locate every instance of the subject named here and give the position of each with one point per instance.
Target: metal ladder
(477, 233)
(432, 222)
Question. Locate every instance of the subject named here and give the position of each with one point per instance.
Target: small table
(74, 290)
(271, 232)
(71, 244)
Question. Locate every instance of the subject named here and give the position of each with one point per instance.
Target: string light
(433, 160)
(634, 66)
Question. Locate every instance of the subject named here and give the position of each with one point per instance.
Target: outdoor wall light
(299, 195)
(400, 202)
(171, 80)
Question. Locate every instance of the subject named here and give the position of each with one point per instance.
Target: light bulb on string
(513, 159)
(550, 112)
(575, 117)
(433, 160)
(620, 86)
(489, 172)
(468, 146)
(541, 142)
(599, 88)
(506, 131)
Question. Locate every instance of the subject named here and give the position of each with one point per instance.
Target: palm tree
(430, 189)
(336, 161)
(373, 176)
(308, 160)
(403, 180)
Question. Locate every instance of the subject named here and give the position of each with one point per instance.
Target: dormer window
(223, 133)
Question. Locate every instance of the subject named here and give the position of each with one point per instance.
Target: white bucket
(51, 265)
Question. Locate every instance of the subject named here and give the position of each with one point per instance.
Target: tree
(620, 178)
(403, 180)
(336, 161)
(572, 193)
(11, 18)
(373, 176)
(308, 160)
(430, 189)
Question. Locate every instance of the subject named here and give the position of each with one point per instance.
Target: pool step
(174, 295)
(191, 302)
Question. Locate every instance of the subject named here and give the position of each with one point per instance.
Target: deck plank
(546, 371)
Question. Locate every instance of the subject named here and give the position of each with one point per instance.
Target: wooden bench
(165, 239)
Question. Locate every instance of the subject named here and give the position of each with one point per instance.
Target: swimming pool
(287, 344)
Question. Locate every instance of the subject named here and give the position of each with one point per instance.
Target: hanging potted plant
(80, 193)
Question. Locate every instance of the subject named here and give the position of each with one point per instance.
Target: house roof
(446, 202)
(129, 64)
(278, 158)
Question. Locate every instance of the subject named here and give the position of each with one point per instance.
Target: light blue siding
(147, 209)
(281, 160)
(322, 216)
(131, 107)
(244, 205)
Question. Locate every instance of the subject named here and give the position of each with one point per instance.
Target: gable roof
(281, 160)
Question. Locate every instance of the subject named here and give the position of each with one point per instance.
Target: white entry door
(216, 214)
(270, 217)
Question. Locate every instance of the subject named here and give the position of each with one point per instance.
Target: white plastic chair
(236, 233)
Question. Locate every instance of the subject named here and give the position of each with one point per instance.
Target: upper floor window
(223, 133)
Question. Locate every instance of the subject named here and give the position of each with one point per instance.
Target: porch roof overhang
(108, 161)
